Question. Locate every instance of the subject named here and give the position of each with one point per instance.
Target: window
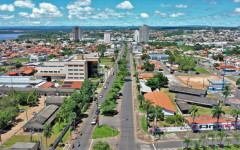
(75, 69)
(50, 71)
(70, 78)
(70, 74)
(80, 69)
(70, 69)
(55, 71)
(70, 65)
(75, 65)
(76, 77)
(82, 78)
(45, 71)
(75, 73)
(81, 73)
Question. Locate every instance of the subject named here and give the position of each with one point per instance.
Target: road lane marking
(145, 147)
(90, 145)
(154, 146)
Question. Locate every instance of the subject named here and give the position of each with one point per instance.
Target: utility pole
(225, 68)
(26, 115)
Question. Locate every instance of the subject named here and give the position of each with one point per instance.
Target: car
(105, 87)
(97, 112)
(107, 82)
(101, 96)
(99, 106)
(34, 113)
(94, 121)
(20, 110)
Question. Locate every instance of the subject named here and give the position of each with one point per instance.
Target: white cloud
(181, 6)
(108, 10)
(237, 10)
(160, 14)
(24, 4)
(6, 17)
(79, 7)
(213, 2)
(144, 15)
(6, 7)
(177, 15)
(236, 1)
(23, 14)
(125, 5)
(79, 3)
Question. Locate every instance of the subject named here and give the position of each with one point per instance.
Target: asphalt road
(127, 141)
(87, 128)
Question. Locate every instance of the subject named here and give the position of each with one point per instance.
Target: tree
(196, 145)
(157, 114)
(59, 118)
(145, 57)
(228, 141)
(47, 131)
(22, 98)
(226, 92)
(140, 97)
(238, 81)
(18, 65)
(203, 140)
(216, 65)
(194, 113)
(168, 52)
(148, 67)
(221, 135)
(32, 98)
(217, 112)
(101, 145)
(172, 59)
(152, 83)
(235, 113)
(212, 135)
(158, 81)
(188, 142)
(102, 49)
(146, 106)
(237, 138)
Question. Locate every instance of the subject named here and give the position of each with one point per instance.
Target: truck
(112, 73)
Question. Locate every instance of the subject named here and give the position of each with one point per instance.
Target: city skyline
(120, 13)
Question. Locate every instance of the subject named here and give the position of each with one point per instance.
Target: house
(72, 84)
(217, 84)
(58, 101)
(187, 91)
(162, 100)
(183, 107)
(159, 57)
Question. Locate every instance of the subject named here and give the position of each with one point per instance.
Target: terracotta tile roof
(12, 73)
(147, 76)
(204, 119)
(174, 68)
(48, 85)
(161, 99)
(72, 84)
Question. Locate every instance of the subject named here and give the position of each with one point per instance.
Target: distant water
(9, 36)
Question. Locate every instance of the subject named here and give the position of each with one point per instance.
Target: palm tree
(196, 144)
(140, 98)
(226, 92)
(211, 135)
(235, 113)
(194, 113)
(237, 138)
(47, 131)
(146, 106)
(202, 139)
(188, 142)
(217, 112)
(221, 135)
(157, 114)
(228, 141)
(59, 119)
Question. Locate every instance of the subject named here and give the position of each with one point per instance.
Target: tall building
(144, 33)
(107, 37)
(77, 33)
(136, 36)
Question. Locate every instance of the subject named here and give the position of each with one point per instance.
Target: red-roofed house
(72, 84)
(161, 99)
(13, 73)
(48, 85)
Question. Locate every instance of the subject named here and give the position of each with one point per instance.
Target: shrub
(170, 119)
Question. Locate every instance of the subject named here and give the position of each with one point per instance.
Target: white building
(107, 37)
(77, 33)
(144, 33)
(136, 36)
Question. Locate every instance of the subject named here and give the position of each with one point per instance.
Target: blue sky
(119, 12)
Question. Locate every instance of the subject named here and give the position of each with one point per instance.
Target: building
(217, 84)
(77, 33)
(74, 68)
(19, 81)
(136, 36)
(24, 146)
(159, 57)
(58, 101)
(187, 91)
(107, 37)
(35, 58)
(161, 99)
(144, 33)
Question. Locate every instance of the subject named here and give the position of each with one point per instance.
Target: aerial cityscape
(120, 75)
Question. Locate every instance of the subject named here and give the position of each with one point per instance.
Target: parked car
(99, 106)
(94, 121)
(97, 112)
(20, 110)
(101, 96)
(107, 82)
(34, 113)
(105, 87)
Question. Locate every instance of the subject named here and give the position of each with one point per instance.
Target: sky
(119, 12)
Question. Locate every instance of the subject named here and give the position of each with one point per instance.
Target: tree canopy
(158, 81)
(148, 67)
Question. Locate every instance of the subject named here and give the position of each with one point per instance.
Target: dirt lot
(21, 120)
(198, 82)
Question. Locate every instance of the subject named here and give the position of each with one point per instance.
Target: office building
(77, 33)
(136, 36)
(107, 37)
(144, 33)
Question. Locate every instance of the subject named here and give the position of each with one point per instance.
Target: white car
(101, 96)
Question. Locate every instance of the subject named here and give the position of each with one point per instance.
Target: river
(9, 36)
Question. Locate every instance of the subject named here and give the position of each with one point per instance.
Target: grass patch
(200, 70)
(170, 95)
(107, 63)
(140, 107)
(144, 124)
(100, 85)
(232, 78)
(104, 132)
(102, 60)
(56, 127)
(6, 68)
(211, 96)
(23, 107)
(19, 60)
(59, 82)
(208, 111)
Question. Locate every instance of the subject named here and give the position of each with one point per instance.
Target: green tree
(212, 135)
(145, 57)
(102, 49)
(22, 98)
(152, 83)
(203, 140)
(221, 135)
(196, 145)
(176, 53)
(228, 141)
(217, 112)
(237, 138)
(59, 118)
(168, 52)
(18, 65)
(238, 81)
(235, 113)
(148, 67)
(194, 113)
(101, 145)
(140, 98)
(147, 105)
(157, 114)
(47, 131)
(187, 142)
(172, 59)
(32, 98)
(158, 81)
(226, 92)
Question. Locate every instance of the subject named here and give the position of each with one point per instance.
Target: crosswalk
(145, 147)
(149, 147)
